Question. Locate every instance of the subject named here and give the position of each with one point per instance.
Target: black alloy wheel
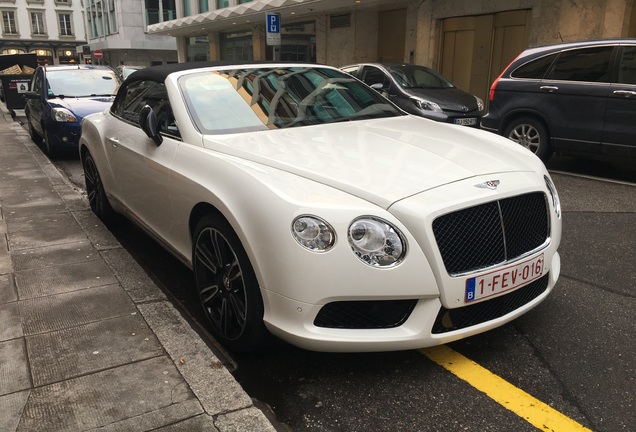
(531, 134)
(227, 286)
(97, 198)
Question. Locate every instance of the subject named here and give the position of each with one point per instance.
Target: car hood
(383, 160)
(449, 99)
(82, 107)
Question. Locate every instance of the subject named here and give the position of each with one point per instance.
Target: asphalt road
(575, 352)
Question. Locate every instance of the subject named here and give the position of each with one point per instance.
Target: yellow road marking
(501, 391)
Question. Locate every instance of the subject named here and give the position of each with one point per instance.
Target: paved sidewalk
(87, 340)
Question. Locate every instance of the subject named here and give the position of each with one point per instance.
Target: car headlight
(313, 233)
(63, 115)
(376, 242)
(480, 104)
(426, 105)
(556, 202)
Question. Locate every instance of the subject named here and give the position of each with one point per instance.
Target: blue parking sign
(272, 26)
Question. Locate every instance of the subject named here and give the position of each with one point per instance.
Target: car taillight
(491, 95)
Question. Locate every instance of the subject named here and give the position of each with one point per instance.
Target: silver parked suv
(574, 98)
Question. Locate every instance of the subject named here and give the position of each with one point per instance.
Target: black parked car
(421, 91)
(573, 98)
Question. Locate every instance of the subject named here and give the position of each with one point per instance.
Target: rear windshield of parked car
(243, 100)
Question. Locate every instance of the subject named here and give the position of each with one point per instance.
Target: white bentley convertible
(311, 208)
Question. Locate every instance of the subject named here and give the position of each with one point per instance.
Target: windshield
(411, 76)
(242, 100)
(81, 83)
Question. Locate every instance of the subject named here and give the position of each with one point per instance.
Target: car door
(575, 98)
(619, 133)
(35, 105)
(141, 168)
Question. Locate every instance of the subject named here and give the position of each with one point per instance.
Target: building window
(169, 10)
(187, 11)
(66, 24)
(203, 6)
(220, 4)
(63, 2)
(152, 12)
(102, 18)
(244, 1)
(9, 26)
(37, 24)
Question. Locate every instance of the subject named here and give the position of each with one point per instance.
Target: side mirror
(149, 124)
(31, 95)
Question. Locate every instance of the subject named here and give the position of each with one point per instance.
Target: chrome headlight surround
(313, 233)
(480, 103)
(556, 202)
(63, 115)
(426, 105)
(376, 242)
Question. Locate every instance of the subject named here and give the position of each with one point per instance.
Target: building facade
(118, 29)
(53, 29)
(468, 41)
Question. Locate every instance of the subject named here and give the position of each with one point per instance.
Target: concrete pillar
(182, 49)
(214, 46)
(259, 47)
(321, 38)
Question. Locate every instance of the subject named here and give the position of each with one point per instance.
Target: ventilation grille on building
(337, 21)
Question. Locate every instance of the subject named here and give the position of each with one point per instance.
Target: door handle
(549, 89)
(113, 141)
(626, 93)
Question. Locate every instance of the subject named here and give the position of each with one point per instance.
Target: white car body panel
(405, 170)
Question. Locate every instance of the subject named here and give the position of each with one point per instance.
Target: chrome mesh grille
(492, 233)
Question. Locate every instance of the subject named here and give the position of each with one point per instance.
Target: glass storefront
(237, 46)
(198, 49)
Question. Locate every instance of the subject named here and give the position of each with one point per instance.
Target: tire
(531, 134)
(227, 287)
(97, 198)
(50, 151)
(35, 137)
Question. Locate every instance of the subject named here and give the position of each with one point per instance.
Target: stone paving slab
(68, 353)
(63, 278)
(38, 222)
(11, 407)
(14, 370)
(106, 397)
(77, 252)
(8, 292)
(131, 276)
(171, 416)
(57, 312)
(10, 327)
(45, 237)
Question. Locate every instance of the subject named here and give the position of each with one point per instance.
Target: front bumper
(293, 322)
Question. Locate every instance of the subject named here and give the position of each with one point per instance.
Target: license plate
(502, 280)
(469, 121)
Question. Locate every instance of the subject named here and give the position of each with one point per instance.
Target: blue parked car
(61, 96)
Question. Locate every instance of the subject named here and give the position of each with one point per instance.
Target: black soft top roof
(159, 73)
